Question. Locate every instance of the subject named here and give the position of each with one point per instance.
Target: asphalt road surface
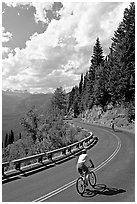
(114, 159)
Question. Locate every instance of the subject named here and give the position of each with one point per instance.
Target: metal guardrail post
(40, 159)
(96, 140)
(69, 149)
(77, 146)
(81, 144)
(2, 170)
(17, 165)
(50, 156)
(91, 141)
(64, 151)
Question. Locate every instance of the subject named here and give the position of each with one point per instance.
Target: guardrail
(48, 157)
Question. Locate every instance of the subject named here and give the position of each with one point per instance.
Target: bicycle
(82, 180)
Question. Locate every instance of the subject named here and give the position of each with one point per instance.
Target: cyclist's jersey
(83, 159)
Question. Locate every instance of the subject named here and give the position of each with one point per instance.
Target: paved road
(114, 158)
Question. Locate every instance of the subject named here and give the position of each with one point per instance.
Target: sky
(46, 45)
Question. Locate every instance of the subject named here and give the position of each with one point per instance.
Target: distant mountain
(11, 99)
(16, 103)
(37, 100)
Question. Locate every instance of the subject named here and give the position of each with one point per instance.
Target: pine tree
(113, 78)
(71, 98)
(11, 137)
(90, 85)
(76, 102)
(97, 57)
(84, 98)
(81, 108)
(101, 93)
(124, 54)
(81, 85)
(6, 141)
(30, 123)
(97, 60)
(59, 99)
(76, 109)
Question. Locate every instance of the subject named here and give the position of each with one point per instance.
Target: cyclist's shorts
(82, 168)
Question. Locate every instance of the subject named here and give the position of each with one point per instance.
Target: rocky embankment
(97, 116)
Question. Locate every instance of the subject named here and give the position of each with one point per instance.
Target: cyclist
(83, 163)
(112, 125)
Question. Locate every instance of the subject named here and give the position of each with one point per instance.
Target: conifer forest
(108, 80)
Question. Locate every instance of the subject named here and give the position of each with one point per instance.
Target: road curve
(114, 158)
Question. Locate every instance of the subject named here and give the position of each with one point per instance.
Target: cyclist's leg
(86, 170)
(79, 169)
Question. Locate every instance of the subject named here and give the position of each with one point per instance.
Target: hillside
(97, 116)
(11, 99)
(16, 104)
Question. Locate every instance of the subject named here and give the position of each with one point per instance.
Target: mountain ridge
(16, 104)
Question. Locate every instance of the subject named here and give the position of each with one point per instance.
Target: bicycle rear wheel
(80, 185)
(92, 179)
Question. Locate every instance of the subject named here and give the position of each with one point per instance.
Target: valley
(16, 104)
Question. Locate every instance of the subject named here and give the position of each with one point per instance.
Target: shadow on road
(102, 189)
(28, 172)
(6, 180)
(116, 130)
(22, 173)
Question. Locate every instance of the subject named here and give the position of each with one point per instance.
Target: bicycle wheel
(92, 179)
(80, 185)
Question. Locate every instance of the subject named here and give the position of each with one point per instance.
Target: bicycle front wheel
(92, 179)
(80, 185)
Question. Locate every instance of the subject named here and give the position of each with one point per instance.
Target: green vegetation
(44, 132)
(16, 105)
(110, 80)
(9, 139)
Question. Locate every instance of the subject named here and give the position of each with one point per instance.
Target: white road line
(55, 191)
(62, 188)
(112, 155)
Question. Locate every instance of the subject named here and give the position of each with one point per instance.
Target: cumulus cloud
(41, 10)
(40, 7)
(6, 36)
(59, 55)
(5, 51)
